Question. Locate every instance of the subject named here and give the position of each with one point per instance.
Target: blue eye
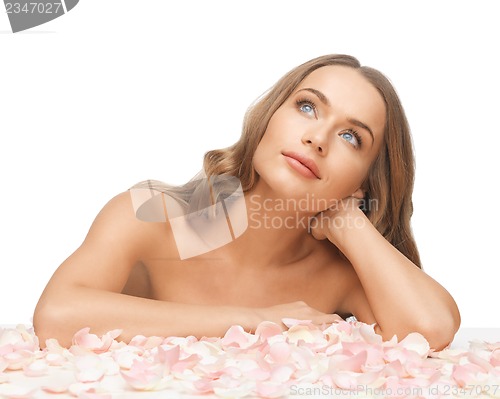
(307, 107)
(352, 137)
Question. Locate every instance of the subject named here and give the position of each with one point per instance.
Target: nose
(317, 140)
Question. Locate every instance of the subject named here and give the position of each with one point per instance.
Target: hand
(296, 310)
(345, 213)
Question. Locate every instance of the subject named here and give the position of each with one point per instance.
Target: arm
(393, 292)
(86, 290)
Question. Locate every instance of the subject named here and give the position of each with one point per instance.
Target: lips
(304, 161)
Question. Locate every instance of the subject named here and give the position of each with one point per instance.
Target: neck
(276, 233)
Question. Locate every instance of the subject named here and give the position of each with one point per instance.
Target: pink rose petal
(143, 342)
(144, 376)
(345, 380)
(417, 343)
(84, 340)
(125, 359)
(19, 359)
(495, 358)
(452, 355)
(228, 388)
(271, 389)
(295, 322)
(267, 329)
(169, 356)
(349, 363)
(265, 364)
(76, 389)
(54, 347)
(36, 368)
(345, 327)
(279, 352)
(55, 359)
(55, 388)
(10, 337)
(3, 365)
(203, 385)
(299, 332)
(282, 373)
(369, 335)
(13, 391)
(92, 395)
(466, 374)
(237, 337)
(89, 368)
(477, 360)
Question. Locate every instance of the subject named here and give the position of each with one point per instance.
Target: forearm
(103, 311)
(402, 297)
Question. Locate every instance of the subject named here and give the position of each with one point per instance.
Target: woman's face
(322, 141)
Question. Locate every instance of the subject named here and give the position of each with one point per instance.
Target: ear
(359, 193)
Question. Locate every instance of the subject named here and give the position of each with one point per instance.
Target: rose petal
(92, 395)
(60, 388)
(369, 335)
(237, 337)
(495, 358)
(55, 359)
(299, 332)
(19, 359)
(36, 369)
(89, 368)
(267, 329)
(144, 376)
(84, 340)
(295, 322)
(349, 363)
(168, 356)
(417, 343)
(78, 388)
(282, 374)
(143, 342)
(279, 352)
(466, 374)
(13, 391)
(10, 337)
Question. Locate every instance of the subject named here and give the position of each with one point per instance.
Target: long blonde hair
(389, 181)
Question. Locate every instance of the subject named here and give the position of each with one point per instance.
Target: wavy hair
(390, 178)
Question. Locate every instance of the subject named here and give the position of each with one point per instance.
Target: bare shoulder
(118, 222)
(116, 242)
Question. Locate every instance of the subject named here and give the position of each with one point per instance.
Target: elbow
(440, 332)
(49, 322)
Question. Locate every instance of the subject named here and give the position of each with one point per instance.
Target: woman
(331, 136)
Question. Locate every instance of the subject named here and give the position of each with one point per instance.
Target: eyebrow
(325, 101)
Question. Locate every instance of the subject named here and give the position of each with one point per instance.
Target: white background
(119, 91)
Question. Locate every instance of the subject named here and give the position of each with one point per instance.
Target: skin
(127, 273)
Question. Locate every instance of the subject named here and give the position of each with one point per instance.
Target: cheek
(262, 153)
(346, 176)
(256, 160)
(283, 124)
(268, 145)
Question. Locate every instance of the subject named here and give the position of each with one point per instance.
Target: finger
(331, 318)
(315, 229)
(336, 317)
